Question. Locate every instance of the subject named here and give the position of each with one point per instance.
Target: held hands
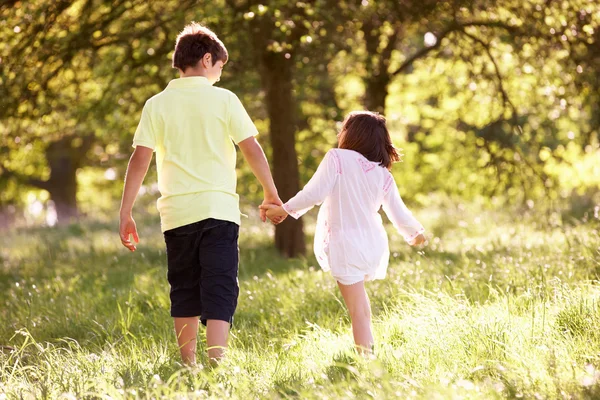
(275, 213)
(269, 201)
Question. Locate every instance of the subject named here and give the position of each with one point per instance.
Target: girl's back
(359, 193)
(350, 237)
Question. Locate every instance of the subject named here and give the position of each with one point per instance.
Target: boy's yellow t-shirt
(191, 126)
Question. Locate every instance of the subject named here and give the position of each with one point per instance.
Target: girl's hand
(420, 239)
(268, 201)
(276, 214)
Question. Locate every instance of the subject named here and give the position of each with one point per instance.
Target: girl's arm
(316, 190)
(318, 187)
(400, 215)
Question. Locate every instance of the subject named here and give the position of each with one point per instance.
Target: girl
(353, 182)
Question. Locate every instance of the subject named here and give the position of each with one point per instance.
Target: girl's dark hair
(193, 43)
(366, 133)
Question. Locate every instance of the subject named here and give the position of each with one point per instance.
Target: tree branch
(505, 98)
(422, 52)
(453, 27)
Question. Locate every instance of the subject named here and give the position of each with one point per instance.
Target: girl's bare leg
(357, 301)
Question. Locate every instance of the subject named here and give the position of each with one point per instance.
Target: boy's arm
(257, 160)
(136, 171)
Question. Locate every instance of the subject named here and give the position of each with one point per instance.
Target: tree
(66, 67)
(278, 31)
(490, 96)
(396, 35)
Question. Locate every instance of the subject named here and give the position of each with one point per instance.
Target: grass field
(498, 305)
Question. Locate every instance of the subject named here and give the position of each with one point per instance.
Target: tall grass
(497, 306)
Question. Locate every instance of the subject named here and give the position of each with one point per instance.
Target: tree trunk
(276, 75)
(376, 92)
(64, 159)
(63, 192)
(377, 63)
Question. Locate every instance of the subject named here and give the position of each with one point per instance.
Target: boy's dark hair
(366, 133)
(193, 43)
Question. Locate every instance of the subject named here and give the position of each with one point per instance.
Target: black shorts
(202, 263)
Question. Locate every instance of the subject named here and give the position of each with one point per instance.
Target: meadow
(497, 305)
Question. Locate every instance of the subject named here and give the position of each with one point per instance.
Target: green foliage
(488, 101)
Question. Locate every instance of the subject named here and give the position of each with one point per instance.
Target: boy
(191, 125)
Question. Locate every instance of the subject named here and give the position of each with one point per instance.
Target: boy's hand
(126, 228)
(420, 239)
(276, 214)
(136, 171)
(274, 201)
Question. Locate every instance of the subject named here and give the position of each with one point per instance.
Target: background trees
(497, 100)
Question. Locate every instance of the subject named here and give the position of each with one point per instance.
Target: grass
(497, 306)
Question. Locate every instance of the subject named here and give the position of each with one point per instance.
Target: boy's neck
(189, 72)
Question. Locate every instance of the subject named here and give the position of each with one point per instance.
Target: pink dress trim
(336, 161)
(388, 183)
(365, 165)
(291, 212)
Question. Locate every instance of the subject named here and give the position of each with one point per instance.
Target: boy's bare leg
(217, 332)
(186, 330)
(357, 301)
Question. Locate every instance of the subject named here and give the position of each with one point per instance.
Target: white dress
(350, 239)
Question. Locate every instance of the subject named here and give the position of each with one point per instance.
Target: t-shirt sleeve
(241, 126)
(145, 134)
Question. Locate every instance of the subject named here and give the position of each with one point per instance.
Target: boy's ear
(207, 60)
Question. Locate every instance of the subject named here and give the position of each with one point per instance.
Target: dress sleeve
(318, 187)
(393, 206)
